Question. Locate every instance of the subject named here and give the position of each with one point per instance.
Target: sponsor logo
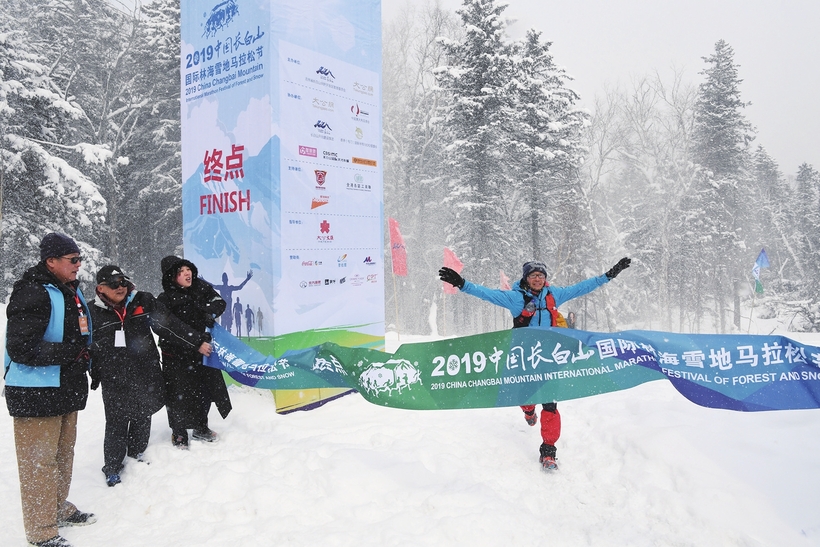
(324, 233)
(364, 89)
(333, 156)
(325, 74)
(357, 280)
(363, 161)
(358, 184)
(311, 263)
(360, 115)
(342, 261)
(321, 176)
(359, 133)
(323, 127)
(373, 278)
(307, 151)
(322, 104)
(342, 281)
(330, 281)
(312, 283)
(319, 201)
(368, 261)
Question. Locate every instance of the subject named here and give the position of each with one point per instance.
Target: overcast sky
(606, 42)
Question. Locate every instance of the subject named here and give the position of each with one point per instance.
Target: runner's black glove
(448, 275)
(618, 268)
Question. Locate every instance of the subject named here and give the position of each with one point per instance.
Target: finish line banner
(536, 365)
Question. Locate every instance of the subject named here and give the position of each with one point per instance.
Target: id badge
(84, 325)
(119, 339)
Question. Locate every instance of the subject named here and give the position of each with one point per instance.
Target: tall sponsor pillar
(282, 167)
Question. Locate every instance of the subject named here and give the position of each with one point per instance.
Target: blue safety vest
(20, 375)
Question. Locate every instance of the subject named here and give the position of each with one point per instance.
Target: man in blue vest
(47, 337)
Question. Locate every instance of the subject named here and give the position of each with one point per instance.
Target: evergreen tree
(721, 139)
(43, 187)
(722, 133)
(545, 136)
(807, 209)
(478, 153)
(89, 47)
(152, 178)
(414, 155)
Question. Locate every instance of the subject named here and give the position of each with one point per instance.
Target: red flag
(451, 261)
(398, 251)
(505, 282)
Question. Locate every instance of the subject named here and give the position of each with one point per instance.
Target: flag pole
(444, 297)
(396, 300)
(751, 312)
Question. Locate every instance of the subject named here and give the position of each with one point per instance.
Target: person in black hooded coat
(126, 362)
(191, 386)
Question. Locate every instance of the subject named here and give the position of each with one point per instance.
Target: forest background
(486, 152)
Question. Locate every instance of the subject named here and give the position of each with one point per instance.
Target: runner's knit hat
(534, 266)
(55, 245)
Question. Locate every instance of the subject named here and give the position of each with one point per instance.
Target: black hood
(170, 266)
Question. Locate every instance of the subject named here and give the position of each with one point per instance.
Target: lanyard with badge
(119, 335)
(83, 317)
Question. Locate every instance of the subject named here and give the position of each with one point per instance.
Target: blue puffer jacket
(513, 299)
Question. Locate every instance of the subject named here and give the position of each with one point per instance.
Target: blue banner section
(534, 365)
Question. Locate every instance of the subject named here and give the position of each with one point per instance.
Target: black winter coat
(28, 314)
(187, 380)
(131, 377)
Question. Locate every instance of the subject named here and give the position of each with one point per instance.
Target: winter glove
(450, 276)
(618, 268)
(95, 383)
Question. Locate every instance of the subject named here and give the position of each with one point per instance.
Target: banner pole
(751, 312)
(444, 298)
(396, 300)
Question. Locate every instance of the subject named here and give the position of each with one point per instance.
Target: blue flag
(761, 262)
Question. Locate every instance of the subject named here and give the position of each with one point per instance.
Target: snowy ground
(638, 467)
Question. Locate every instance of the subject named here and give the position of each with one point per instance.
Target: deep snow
(638, 467)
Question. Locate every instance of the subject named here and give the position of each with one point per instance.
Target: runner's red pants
(550, 423)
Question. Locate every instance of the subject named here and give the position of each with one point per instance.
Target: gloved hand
(95, 383)
(619, 267)
(448, 275)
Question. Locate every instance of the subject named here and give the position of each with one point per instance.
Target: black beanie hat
(54, 245)
(533, 266)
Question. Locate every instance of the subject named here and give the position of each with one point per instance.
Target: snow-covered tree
(43, 189)
(722, 133)
(807, 219)
(413, 154)
(722, 136)
(478, 153)
(90, 48)
(152, 177)
(545, 136)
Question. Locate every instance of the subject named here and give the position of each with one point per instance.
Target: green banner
(505, 368)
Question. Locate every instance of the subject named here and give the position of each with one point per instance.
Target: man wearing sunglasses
(126, 363)
(47, 337)
(532, 301)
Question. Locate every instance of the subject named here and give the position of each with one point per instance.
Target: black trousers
(124, 436)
